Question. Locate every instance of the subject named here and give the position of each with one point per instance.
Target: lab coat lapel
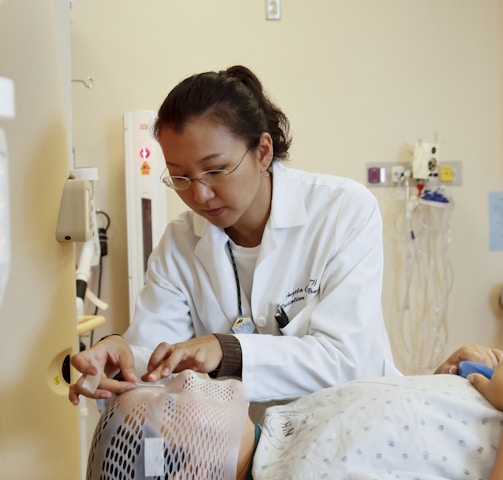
(288, 208)
(288, 211)
(212, 254)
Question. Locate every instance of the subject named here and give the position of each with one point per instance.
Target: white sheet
(427, 427)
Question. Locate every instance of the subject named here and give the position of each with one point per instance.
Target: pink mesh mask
(189, 428)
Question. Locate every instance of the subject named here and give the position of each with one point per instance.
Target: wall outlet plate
(273, 9)
(390, 174)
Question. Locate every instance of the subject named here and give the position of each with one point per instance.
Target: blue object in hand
(465, 368)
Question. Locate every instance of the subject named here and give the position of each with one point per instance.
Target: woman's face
(243, 197)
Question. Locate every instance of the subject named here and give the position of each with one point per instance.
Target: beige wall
(39, 428)
(360, 81)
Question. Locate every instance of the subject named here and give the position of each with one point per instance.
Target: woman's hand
(489, 357)
(106, 358)
(491, 389)
(201, 354)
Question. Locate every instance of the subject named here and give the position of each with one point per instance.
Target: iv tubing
(425, 281)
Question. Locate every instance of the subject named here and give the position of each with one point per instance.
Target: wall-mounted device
(77, 223)
(420, 163)
(146, 196)
(425, 160)
(75, 220)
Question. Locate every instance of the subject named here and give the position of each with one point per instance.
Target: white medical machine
(7, 110)
(146, 196)
(77, 223)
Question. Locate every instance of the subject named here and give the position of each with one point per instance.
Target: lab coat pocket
(299, 325)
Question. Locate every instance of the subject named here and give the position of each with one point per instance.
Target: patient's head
(189, 428)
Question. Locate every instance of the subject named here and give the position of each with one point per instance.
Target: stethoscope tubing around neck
(236, 276)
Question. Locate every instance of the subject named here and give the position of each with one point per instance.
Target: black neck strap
(236, 276)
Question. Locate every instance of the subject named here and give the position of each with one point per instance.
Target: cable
(103, 237)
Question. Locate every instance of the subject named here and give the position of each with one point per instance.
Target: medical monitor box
(146, 196)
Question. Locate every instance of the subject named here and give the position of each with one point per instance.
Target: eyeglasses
(210, 177)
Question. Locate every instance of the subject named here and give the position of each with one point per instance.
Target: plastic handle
(465, 368)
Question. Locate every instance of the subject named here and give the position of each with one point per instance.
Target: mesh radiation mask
(189, 428)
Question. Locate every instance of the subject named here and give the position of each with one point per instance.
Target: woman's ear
(265, 149)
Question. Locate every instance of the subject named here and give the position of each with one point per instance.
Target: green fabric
(258, 431)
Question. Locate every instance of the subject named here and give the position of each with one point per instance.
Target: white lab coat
(321, 258)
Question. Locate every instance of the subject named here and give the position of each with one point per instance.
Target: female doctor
(274, 275)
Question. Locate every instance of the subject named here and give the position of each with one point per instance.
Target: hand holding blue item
(465, 368)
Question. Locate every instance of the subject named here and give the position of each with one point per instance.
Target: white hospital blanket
(415, 427)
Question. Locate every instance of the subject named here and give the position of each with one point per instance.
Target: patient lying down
(412, 427)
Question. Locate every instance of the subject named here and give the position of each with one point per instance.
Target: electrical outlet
(450, 173)
(397, 173)
(446, 174)
(273, 9)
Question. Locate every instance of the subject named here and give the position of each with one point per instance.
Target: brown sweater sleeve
(232, 360)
